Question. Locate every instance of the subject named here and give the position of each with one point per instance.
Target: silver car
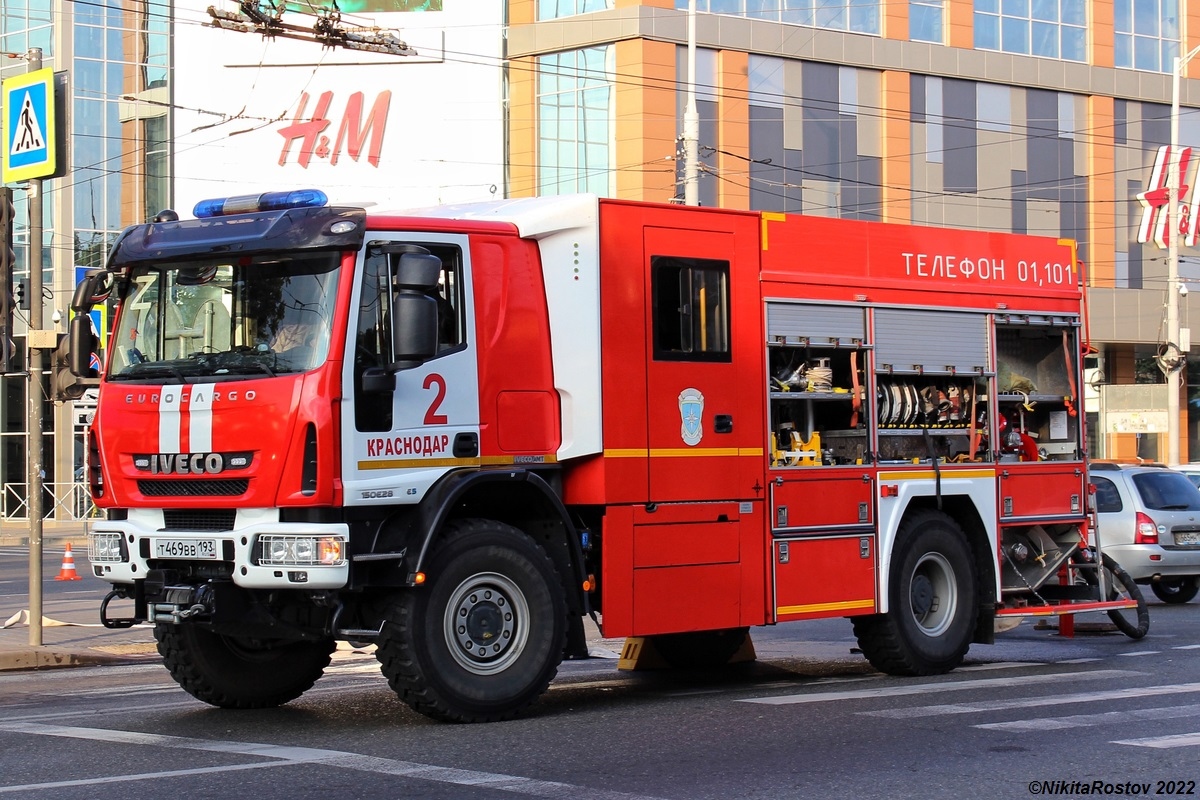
(1149, 519)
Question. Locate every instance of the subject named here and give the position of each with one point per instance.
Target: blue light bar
(268, 201)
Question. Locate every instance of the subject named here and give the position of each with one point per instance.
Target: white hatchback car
(1149, 519)
(1192, 471)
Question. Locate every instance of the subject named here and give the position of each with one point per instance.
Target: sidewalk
(71, 631)
(15, 533)
(71, 644)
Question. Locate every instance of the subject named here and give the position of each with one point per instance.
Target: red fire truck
(457, 432)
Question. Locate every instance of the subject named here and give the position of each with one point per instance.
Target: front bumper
(235, 554)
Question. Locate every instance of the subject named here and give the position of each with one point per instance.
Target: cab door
(400, 439)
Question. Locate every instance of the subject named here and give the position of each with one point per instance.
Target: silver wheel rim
(486, 623)
(933, 594)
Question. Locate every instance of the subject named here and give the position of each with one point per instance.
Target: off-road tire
(483, 638)
(240, 673)
(932, 592)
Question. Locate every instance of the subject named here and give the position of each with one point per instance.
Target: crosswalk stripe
(1089, 720)
(903, 689)
(1164, 742)
(1026, 702)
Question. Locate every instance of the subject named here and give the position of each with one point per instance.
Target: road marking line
(1089, 720)
(1026, 702)
(1186, 647)
(144, 776)
(1077, 661)
(1000, 665)
(1164, 742)
(291, 756)
(944, 686)
(1140, 653)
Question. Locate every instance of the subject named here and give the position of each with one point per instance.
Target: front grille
(188, 519)
(194, 488)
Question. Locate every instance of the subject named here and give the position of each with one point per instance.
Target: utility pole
(37, 459)
(1172, 365)
(691, 119)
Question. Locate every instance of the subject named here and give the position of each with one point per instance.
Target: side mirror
(414, 312)
(81, 343)
(93, 289)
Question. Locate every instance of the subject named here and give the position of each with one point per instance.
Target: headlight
(277, 550)
(107, 547)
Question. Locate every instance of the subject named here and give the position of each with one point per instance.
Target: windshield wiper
(244, 368)
(149, 371)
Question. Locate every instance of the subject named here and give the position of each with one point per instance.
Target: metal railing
(70, 502)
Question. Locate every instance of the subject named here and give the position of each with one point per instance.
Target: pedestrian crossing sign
(29, 126)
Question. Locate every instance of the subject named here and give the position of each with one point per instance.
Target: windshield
(253, 315)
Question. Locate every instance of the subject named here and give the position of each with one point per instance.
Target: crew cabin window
(691, 308)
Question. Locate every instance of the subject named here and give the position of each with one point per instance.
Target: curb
(49, 658)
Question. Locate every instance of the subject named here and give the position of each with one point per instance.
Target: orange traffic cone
(68, 573)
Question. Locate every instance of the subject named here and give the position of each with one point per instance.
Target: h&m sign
(1156, 201)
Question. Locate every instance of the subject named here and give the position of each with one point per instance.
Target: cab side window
(373, 342)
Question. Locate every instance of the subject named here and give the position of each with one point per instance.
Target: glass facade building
(116, 59)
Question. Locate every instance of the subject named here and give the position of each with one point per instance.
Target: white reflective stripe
(169, 419)
(200, 418)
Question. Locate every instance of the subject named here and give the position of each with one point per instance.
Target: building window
(926, 21)
(855, 16)
(553, 9)
(691, 308)
(1045, 28)
(574, 122)
(1146, 34)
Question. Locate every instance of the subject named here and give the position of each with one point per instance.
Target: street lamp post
(1173, 367)
(691, 119)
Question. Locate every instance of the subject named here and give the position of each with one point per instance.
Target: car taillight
(1145, 531)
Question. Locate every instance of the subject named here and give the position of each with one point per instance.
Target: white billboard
(255, 115)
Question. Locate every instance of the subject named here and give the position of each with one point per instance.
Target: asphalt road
(1035, 713)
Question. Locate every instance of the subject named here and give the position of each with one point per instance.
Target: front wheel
(1176, 590)
(931, 601)
(231, 672)
(483, 639)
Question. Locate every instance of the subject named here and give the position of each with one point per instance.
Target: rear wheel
(931, 601)
(483, 639)
(1176, 590)
(233, 672)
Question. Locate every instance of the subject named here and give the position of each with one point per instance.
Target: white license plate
(1187, 537)
(185, 548)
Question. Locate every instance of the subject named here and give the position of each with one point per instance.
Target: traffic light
(22, 300)
(8, 261)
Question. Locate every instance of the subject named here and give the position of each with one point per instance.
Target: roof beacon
(267, 201)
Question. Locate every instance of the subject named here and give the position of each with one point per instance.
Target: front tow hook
(106, 621)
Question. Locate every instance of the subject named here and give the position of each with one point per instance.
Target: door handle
(723, 423)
